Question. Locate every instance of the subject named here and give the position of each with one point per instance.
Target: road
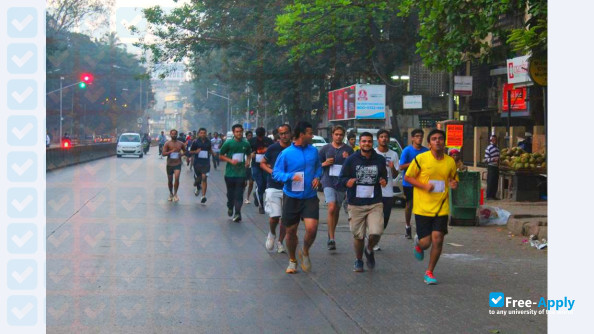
(122, 259)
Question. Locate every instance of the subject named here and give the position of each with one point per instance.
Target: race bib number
(298, 185)
(335, 170)
(259, 157)
(365, 191)
(438, 186)
(174, 155)
(203, 154)
(238, 157)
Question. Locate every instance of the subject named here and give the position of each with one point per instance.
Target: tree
(63, 15)
(532, 38)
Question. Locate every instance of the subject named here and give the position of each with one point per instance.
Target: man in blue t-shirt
(408, 155)
(201, 150)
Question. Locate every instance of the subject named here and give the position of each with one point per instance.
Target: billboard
(357, 102)
(519, 101)
(463, 85)
(517, 70)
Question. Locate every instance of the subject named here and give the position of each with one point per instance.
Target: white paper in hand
(298, 185)
(203, 154)
(238, 157)
(365, 191)
(335, 170)
(438, 186)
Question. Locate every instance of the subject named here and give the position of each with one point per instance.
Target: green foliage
(532, 38)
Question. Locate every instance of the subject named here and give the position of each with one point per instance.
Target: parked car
(318, 142)
(129, 144)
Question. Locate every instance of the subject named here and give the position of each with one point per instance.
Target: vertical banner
(454, 135)
(22, 171)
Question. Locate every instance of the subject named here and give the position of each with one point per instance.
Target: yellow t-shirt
(439, 172)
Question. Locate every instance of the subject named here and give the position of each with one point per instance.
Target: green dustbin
(464, 201)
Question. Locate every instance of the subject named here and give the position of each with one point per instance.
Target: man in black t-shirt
(201, 150)
(259, 145)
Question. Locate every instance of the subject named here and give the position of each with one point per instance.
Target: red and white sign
(518, 98)
(463, 85)
(357, 102)
(517, 70)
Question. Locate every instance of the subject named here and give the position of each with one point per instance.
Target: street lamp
(228, 106)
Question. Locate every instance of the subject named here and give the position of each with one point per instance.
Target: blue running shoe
(430, 279)
(419, 253)
(358, 267)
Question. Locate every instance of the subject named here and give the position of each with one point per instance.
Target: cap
(453, 151)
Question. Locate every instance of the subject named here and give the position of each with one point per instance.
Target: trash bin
(464, 201)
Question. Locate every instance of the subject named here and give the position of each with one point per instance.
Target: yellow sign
(538, 71)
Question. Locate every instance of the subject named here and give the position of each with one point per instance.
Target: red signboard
(518, 98)
(341, 104)
(454, 135)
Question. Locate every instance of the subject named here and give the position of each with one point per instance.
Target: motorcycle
(145, 146)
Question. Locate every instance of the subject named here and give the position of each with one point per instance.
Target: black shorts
(294, 209)
(170, 169)
(426, 225)
(408, 193)
(203, 169)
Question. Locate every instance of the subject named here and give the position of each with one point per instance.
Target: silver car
(129, 144)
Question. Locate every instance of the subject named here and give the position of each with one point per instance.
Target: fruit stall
(522, 175)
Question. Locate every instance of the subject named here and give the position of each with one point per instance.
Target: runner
(162, 140)
(299, 168)
(352, 139)
(383, 138)
(248, 173)
(259, 145)
(216, 148)
(189, 140)
(235, 152)
(332, 157)
(432, 174)
(201, 151)
(408, 155)
(173, 150)
(364, 174)
(273, 197)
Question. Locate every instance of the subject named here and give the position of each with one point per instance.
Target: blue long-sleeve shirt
(298, 159)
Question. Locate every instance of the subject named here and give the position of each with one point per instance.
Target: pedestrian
(273, 196)
(259, 145)
(299, 168)
(189, 140)
(432, 174)
(455, 154)
(173, 150)
(364, 174)
(250, 180)
(492, 160)
(162, 140)
(216, 142)
(408, 154)
(236, 153)
(332, 157)
(392, 165)
(352, 139)
(201, 150)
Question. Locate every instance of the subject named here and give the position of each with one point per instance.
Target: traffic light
(85, 79)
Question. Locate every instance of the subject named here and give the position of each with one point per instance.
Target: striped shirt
(492, 155)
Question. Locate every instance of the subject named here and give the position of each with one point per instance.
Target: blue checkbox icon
(22, 166)
(21, 130)
(21, 203)
(22, 94)
(22, 22)
(21, 274)
(496, 299)
(22, 58)
(21, 238)
(22, 310)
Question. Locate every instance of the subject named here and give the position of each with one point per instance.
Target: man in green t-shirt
(235, 152)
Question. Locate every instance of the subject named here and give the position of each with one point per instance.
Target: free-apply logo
(498, 299)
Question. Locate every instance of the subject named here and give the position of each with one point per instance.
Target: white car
(129, 144)
(318, 142)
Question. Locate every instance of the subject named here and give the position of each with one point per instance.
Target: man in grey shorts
(332, 157)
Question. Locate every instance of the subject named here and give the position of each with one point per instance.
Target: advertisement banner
(371, 102)
(519, 101)
(341, 104)
(517, 70)
(463, 85)
(454, 135)
(412, 102)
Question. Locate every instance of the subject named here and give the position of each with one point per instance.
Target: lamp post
(228, 106)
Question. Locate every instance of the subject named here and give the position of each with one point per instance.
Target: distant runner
(216, 148)
(201, 151)
(173, 150)
(236, 153)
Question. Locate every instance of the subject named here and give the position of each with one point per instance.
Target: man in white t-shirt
(392, 159)
(216, 143)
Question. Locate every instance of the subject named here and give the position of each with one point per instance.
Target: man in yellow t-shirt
(432, 174)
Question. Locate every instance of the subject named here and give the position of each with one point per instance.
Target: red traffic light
(86, 78)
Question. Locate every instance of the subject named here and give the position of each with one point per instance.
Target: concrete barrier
(58, 157)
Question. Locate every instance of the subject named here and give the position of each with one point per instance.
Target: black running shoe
(370, 256)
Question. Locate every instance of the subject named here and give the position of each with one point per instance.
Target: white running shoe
(175, 198)
(246, 201)
(376, 248)
(170, 198)
(280, 248)
(270, 241)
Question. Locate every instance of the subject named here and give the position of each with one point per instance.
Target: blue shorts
(333, 195)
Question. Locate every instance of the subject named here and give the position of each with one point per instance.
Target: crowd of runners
(288, 172)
